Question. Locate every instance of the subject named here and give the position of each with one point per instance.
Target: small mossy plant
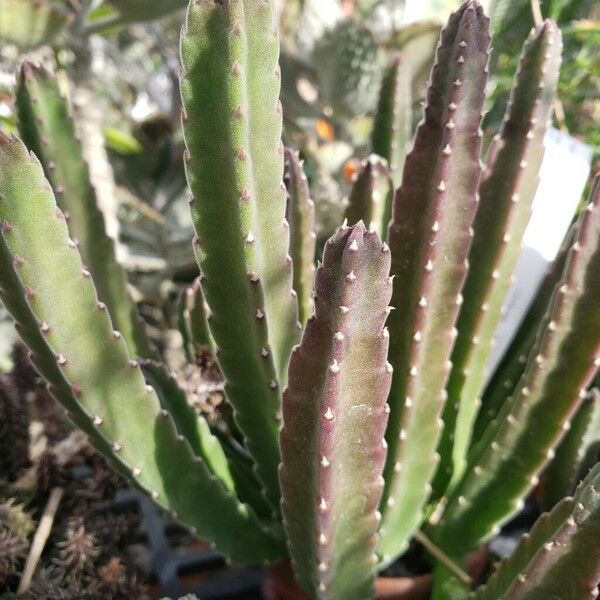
(360, 417)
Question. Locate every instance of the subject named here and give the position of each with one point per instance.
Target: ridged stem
(393, 120)
(335, 413)
(371, 196)
(513, 364)
(560, 557)
(45, 285)
(48, 130)
(506, 194)
(520, 442)
(230, 83)
(429, 238)
(300, 214)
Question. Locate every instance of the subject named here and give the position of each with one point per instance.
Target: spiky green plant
(393, 119)
(348, 65)
(300, 214)
(578, 452)
(371, 196)
(193, 315)
(335, 442)
(552, 561)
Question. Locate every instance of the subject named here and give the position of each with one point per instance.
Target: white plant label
(563, 176)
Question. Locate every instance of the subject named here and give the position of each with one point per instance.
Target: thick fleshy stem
(513, 364)
(429, 238)
(506, 194)
(45, 286)
(577, 453)
(230, 82)
(559, 557)
(393, 120)
(48, 130)
(371, 196)
(300, 214)
(193, 316)
(335, 414)
(516, 447)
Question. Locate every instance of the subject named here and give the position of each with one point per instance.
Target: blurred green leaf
(31, 23)
(121, 141)
(417, 42)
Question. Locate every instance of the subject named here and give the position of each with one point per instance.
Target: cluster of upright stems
(358, 388)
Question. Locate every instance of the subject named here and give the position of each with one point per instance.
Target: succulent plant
(334, 415)
(511, 368)
(430, 235)
(47, 129)
(300, 214)
(370, 199)
(393, 119)
(192, 316)
(335, 455)
(348, 66)
(506, 193)
(578, 452)
(557, 545)
(78, 550)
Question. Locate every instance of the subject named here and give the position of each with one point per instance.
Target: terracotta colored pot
(280, 585)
